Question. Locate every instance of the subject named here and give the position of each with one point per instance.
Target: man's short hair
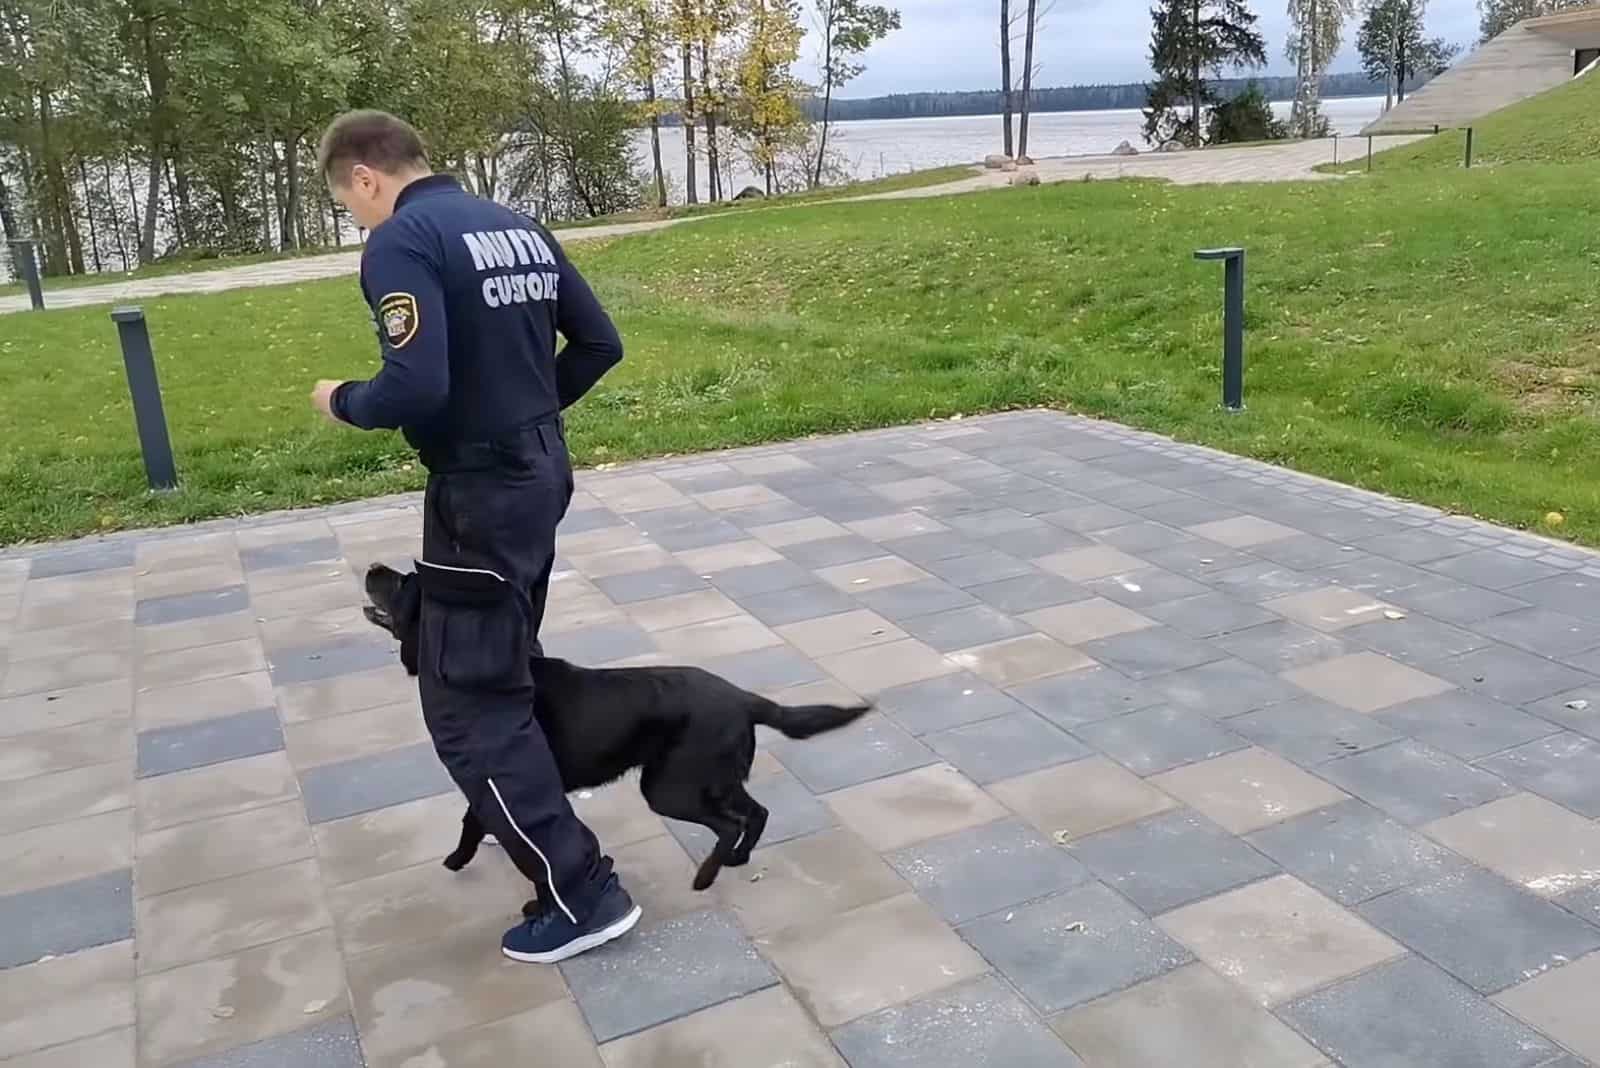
(378, 139)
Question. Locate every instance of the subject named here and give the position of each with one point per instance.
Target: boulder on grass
(1174, 146)
(750, 192)
(1025, 178)
(996, 161)
(1125, 149)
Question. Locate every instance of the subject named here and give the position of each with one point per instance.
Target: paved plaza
(1179, 760)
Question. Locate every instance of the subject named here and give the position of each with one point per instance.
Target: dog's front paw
(460, 858)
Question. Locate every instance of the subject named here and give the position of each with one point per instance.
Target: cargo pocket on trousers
(474, 628)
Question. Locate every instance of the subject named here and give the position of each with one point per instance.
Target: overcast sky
(954, 44)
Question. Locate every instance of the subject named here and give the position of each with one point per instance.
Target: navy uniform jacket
(468, 296)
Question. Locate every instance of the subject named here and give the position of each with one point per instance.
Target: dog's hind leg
(696, 804)
(754, 818)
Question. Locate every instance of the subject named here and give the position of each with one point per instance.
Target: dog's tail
(802, 721)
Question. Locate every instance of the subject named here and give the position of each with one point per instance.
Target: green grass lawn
(1431, 335)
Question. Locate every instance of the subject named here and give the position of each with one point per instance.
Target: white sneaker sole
(579, 945)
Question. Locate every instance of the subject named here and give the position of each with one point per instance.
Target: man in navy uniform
(468, 297)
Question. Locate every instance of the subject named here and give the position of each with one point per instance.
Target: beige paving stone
(298, 576)
(389, 839)
(65, 748)
(185, 553)
(330, 739)
(1087, 621)
(727, 500)
(877, 574)
(67, 795)
(638, 493)
(1191, 1017)
(882, 667)
(52, 709)
(194, 633)
(1561, 1003)
(807, 879)
(114, 1049)
(324, 596)
(183, 666)
(681, 610)
(229, 915)
(427, 901)
(232, 1001)
(1081, 798)
(282, 533)
(1018, 660)
(339, 623)
(1529, 840)
(102, 635)
(1248, 790)
(1094, 562)
(1242, 532)
(767, 1029)
(821, 692)
(910, 490)
(63, 672)
(660, 877)
(198, 852)
(385, 687)
(603, 540)
(840, 633)
(621, 561)
(556, 1030)
(715, 558)
(1366, 682)
(170, 706)
(213, 574)
(717, 637)
(412, 994)
(846, 966)
(66, 999)
(1331, 609)
(915, 805)
(218, 790)
(64, 852)
(1278, 939)
(617, 813)
(772, 464)
(797, 531)
(898, 525)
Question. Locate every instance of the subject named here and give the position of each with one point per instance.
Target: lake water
(879, 147)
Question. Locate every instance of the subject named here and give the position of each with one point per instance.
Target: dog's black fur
(692, 733)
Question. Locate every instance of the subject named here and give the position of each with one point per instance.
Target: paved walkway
(1181, 760)
(1259, 164)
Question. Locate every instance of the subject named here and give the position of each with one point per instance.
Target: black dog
(692, 733)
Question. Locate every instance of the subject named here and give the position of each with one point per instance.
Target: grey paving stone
(692, 527)
(1146, 589)
(997, 866)
(1542, 631)
(1040, 539)
(1029, 593)
(1142, 537)
(1310, 731)
(313, 663)
(1413, 783)
(1207, 615)
(1076, 946)
(1411, 1013)
(984, 526)
(1460, 605)
(1085, 519)
(1481, 929)
(1170, 860)
(979, 568)
(1006, 746)
(1576, 595)
(797, 605)
(290, 554)
(1576, 709)
(209, 741)
(328, 1045)
(334, 791)
(909, 600)
(792, 812)
(1510, 675)
(1080, 697)
(1188, 512)
(1138, 494)
(762, 515)
(775, 668)
(648, 585)
(659, 973)
(1304, 552)
(831, 552)
(1465, 725)
(944, 702)
(1153, 651)
(1353, 853)
(156, 611)
(1383, 579)
(590, 519)
(1281, 646)
(963, 628)
(923, 549)
(1159, 738)
(1415, 546)
(849, 508)
(1493, 569)
(81, 559)
(598, 645)
(870, 748)
(1199, 558)
(763, 578)
(65, 918)
(1583, 902)
(1264, 580)
(1223, 688)
(1564, 768)
(1415, 640)
(978, 1023)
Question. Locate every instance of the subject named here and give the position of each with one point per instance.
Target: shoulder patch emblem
(399, 318)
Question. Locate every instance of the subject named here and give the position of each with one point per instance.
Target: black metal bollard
(1232, 323)
(148, 417)
(1469, 148)
(26, 261)
(1369, 153)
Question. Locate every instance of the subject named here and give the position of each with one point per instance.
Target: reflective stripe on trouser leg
(549, 873)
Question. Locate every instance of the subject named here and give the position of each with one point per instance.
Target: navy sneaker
(548, 936)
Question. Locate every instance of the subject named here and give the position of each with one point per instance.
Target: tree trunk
(66, 244)
(180, 184)
(1194, 88)
(1005, 74)
(655, 140)
(156, 74)
(1400, 71)
(88, 207)
(133, 203)
(290, 234)
(1394, 45)
(827, 88)
(693, 193)
(8, 217)
(172, 200)
(116, 218)
(1027, 80)
(708, 104)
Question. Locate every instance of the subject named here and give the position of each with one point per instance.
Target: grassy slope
(1430, 335)
(1560, 126)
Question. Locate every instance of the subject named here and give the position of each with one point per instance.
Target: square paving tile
(1410, 1013)
(1481, 929)
(1147, 589)
(64, 749)
(1353, 853)
(1085, 696)
(715, 637)
(792, 811)
(845, 966)
(926, 547)
(31, 713)
(218, 848)
(669, 613)
(215, 790)
(1209, 614)
(1087, 620)
(1539, 630)
(290, 554)
(1081, 798)
(979, 1023)
(1531, 841)
(979, 568)
(797, 605)
(196, 701)
(777, 668)
(599, 645)
(807, 879)
(1577, 709)
(71, 997)
(883, 667)
(1493, 569)
(750, 1030)
(65, 672)
(1029, 593)
(66, 918)
(67, 795)
(82, 559)
(215, 660)
(910, 600)
(1281, 646)
(1221, 689)
(400, 836)
(211, 741)
(1015, 661)
(1413, 783)
(762, 578)
(913, 806)
(1074, 947)
(334, 1044)
(1247, 790)
(870, 748)
(1416, 640)
(1157, 651)
(1330, 610)
(875, 574)
(648, 585)
(1159, 738)
(1564, 768)
(64, 852)
(734, 554)
(1309, 731)
(1190, 1016)
(965, 627)
(111, 1049)
(1242, 532)
(1366, 682)
(944, 702)
(1561, 1004)
(1095, 562)
(1278, 939)
(1170, 860)
(1510, 675)
(229, 915)
(334, 791)
(1005, 746)
(1466, 725)
(976, 872)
